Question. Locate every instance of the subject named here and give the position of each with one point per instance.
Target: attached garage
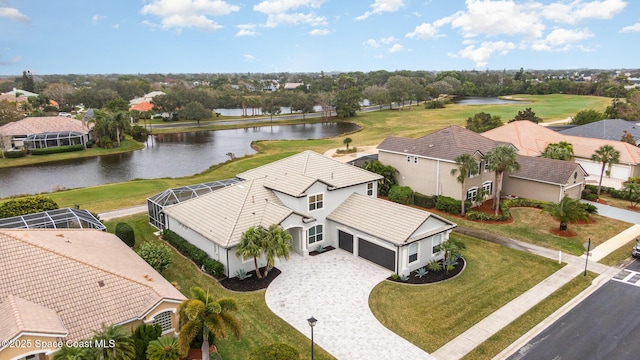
(377, 254)
(345, 241)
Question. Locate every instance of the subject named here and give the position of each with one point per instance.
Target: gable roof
(531, 139)
(445, 144)
(381, 213)
(608, 129)
(295, 174)
(38, 125)
(19, 316)
(143, 106)
(223, 215)
(87, 277)
(546, 170)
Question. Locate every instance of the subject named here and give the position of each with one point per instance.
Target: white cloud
(115, 26)
(96, 18)
(14, 14)
(275, 20)
(247, 30)
(372, 43)
(631, 28)
(179, 14)
(480, 55)
(395, 48)
(578, 10)
(319, 32)
(277, 12)
(282, 6)
(249, 58)
(387, 40)
(561, 40)
(381, 6)
(424, 31)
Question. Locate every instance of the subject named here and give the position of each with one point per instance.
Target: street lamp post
(312, 322)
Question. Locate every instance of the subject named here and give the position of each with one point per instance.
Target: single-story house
(146, 97)
(532, 139)
(608, 129)
(44, 132)
(59, 285)
(320, 202)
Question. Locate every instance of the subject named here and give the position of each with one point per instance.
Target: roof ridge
(244, 201)
(11, 300)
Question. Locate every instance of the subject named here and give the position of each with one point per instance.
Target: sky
(228, 36)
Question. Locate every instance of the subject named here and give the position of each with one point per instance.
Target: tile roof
(143, 106)
(546, 170)
(609, 129)
(295, 174)
(446, 144)
(87, 277)
(37, 125)
(531, 139)
(223, 215)
(385, 219)
(19, 315)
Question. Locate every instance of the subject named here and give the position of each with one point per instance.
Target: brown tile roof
(87, 277)
(295, 174)
(446, 144)
(546, 170)
(19, 316)
(531, 139)
(143, 106)
(37, 125)
(223, 215)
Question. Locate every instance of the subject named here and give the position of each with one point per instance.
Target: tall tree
(566, 210)
(558, 151)
(377, 95)
(502, 158)
(388, 173)
(203, 314)
(27, 82)
(398, 87)
(527, 114)
(142, 335)
(482, 122)
(276, 244)
(116, 342)
(194, 111)
(250, 246)
(72, 353)
(583, 117)
(348, 102)
(347, 141)
(466, 166)
(607, 155)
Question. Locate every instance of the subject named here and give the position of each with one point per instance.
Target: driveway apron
(334, 288)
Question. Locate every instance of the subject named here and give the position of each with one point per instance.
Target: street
(606, 325)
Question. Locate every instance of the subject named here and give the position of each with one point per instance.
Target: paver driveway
(334, 287)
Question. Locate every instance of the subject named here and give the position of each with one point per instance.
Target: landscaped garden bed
(251, 282)
(431, 277)
(324, 250)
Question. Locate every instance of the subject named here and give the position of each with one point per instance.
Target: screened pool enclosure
(54, 139)
(66, 218)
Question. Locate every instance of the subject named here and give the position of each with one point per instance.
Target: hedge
(504, 214)
(26, 205)
(194, 253)
(56, 150)
(276, 351)
(428, 202)
(125, 232)
(13, 154)
(401, 194)
(525, 203)
(450, 205)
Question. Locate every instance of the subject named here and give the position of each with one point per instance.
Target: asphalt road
(605, 326)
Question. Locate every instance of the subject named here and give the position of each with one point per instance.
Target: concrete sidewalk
(109, 215)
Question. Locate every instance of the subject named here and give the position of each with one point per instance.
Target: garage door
(345, 241)
(377, 254)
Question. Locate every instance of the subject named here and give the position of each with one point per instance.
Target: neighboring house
(532, 139)
(19, 92)
(609, 129)
(143, 106)
(60, 285)
(425, 163)
(43, 132)
(320, 202)
(146, 97)
(292, 86)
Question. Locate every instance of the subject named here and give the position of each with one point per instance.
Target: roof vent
(332, 175)
(253, 199)
(430, 145)
(101, 283)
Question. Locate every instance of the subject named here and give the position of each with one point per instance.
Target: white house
(320, 202)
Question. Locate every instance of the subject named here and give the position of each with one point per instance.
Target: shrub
(105, 142)
(90, 143)
(276, 351)
(428, 202)
(142, 336)
(191, 251)
(435, 104)
(242, 274)
(526, 203)
(27, 205)
(435, 265)
(504, 215)
(139, 133)
(450, 205)
(158, 255)
(590, 208)
(401, 194)
(13, 154)
(125, 232)
(56, 149)
(213, 267)
(421, 272)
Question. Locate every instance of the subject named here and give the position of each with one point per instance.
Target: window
(370, 189)
(479, 167)
(472, 194)
(487, 188)
(437, 240)
(316, 202)
(315, 234)
(413, 253)
(164, 320)
(487, 164)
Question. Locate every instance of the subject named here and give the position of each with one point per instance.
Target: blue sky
(220, 36)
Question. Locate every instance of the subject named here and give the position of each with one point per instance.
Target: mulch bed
(252, 283)
(315, 252)
(432, 276)
(563, 233)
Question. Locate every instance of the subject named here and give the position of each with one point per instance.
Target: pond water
(165, 155)
(485, 101)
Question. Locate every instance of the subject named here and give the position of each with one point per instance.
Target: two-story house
(320, 202)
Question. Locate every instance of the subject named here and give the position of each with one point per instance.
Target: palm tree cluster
(567, 210)
(109, 128)
(274, 242)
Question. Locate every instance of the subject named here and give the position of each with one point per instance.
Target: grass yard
(512, 332)
(430, 316)
(259, 325)
(532, 225)
(621, 254)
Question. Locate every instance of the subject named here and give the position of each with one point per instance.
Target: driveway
(334, 288)
(616, 213)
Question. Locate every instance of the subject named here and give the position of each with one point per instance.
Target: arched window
(164, 320)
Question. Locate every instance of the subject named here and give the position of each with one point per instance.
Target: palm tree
(276, 244)
(502, 158)
(116, 343)
(164, 348)
(566, 210)
(347, 141)
(605, 154)
(250, 246)
(203, 314)
(72, 353)
(467, 166)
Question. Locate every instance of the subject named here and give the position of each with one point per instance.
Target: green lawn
(260, 326)
(430, 316)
